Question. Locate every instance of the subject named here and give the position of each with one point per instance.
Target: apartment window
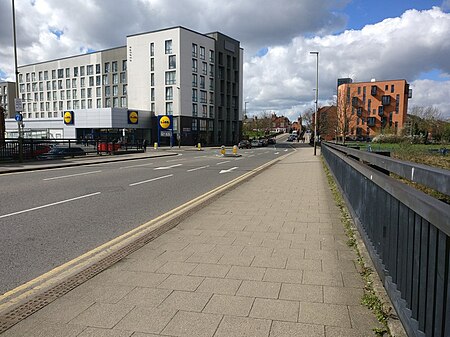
(89, 105)
(115, 102)
(89, 92)
(169, 93)
(168, 46)
(211, 56)
(90, 69)
(392, 88)
(41, 86)
(123, 102)
(359, 90)
(194, 124)
(68, 94)
(99, 103)
(172, 62)
(194, 80)
(364, 95)
(194, 109)
(194, 65)
(202, 53)
(194, 95)
(74, 82)
(74, 94)
(381, 110)
(105, 80)
(386, 99)
(98, 80)
(83, 93)
(169, 108)
(45, 75)
(359, 111)
(124, 89)
(194, 50)
(82, 72)
(114, 66)
(53, 75)
(369, 103)
(123, 77)
(40, 76)
(152, 64)
(98, 91)
(108, 102)
(124, 65)
(386, 87)
(211, 70)
(60, 86)
(397, 103)
(152, 107)
(152, 79)
(170, 77)
(107, 91)
(115, 90)
(107, 67)
(76, 104)
(202, 82)
(67, 72)
(152, 94)
(152, 49)
(60, 73)
(98, 69)
(82, 82)
(115, 78)
(83, 104)
(27, 76)
(205, 68)
(204, 114)
(91, 81)
(373, 90)
(62, 94)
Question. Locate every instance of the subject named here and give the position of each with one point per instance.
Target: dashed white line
(150, 180)
(72, 175)
(48, 205)
(131, 166)
(223, 162)
(198, 168)
(167, 167)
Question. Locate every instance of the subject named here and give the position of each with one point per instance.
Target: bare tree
(426, 120)
(343, 111)
(307, 118)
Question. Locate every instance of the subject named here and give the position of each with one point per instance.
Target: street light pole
(317, 97)
(245, 109)
(179, 116)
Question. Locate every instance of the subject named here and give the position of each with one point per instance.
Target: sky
(361, 39)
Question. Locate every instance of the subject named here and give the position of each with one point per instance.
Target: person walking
(144, 145)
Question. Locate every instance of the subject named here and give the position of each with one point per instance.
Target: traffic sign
(18, 104)
(18, 117)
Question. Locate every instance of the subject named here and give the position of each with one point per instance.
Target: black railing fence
(406, 231)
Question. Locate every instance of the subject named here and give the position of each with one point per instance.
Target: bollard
(235, 149)
(199, 146)
(222, 150)
(155, 146)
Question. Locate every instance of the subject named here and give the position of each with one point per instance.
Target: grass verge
(370, 299)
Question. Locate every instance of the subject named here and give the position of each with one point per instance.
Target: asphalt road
(50, 217)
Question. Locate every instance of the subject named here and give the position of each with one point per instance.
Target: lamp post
(179, 117)
(317, 96)
(245, 109)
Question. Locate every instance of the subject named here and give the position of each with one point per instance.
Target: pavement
(266, 258)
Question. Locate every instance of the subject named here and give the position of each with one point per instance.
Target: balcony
(386, 100)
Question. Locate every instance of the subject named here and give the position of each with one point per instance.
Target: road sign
(18, 104)
(18, 117)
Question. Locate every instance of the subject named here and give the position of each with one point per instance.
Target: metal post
(179, 117)
(19, 123)
(317, 96)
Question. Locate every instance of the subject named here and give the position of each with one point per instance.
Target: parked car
(263, 142)
(272, 140)
(292, 138)
(255, 143)
(61, 152)
(245, 144)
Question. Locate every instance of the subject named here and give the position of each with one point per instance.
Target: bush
(382, 138)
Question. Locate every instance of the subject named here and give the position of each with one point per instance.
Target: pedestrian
(144, 144)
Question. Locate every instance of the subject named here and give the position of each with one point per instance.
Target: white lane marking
(72, 175)
(167, 167)
(48, 205)
(286, 150)
(239, 158)
(252, 155)
(197, 168)
(227, 171)
(277, 153)
(200, 157)
(172, 160)
(223, 162)
(131, 166)
(150, 180)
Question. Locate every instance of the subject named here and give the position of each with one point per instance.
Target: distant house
(327, 121)
(280, 124)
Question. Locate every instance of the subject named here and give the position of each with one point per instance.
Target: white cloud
(283, 79)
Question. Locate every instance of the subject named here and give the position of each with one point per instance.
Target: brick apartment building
(366, 109)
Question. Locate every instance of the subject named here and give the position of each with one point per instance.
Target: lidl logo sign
(164, 122)
(133, 117)
(68, 117)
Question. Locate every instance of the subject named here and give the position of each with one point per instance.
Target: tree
(426, 121)
(307, 118)
(344, 112)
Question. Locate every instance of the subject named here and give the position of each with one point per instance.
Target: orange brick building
(366, 109)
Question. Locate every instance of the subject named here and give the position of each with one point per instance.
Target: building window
(202, 53)
(386, 99)
(97, 68)
(194, 50)
(168, 46)
(194, 80)
(114, 66)
(152, 49)
(124, 65)
(67, 72)
(152, 94)
(194, 109)
(152, 64)
(115, 102)
(115, 78)
(152, 79)
(194, 125)
(211, 56)
(169, 93)
(107, 102)
(373, 90)
(107, 67)
(386, 87)
(205, 68)
(194, 65)
(98, 92)
(172, 62)
(152, 108)
(123, 102)
(397, 103)
(82, 82)
(369, 102)
(90, 69)
(169, 108)
(170, 77)
(202, 96)
(99, 103)
(91, 81)
(211, 70)
(194, 95)
(202, 82)
(115, 90)
(98, 80)
(82, 73)
(380, 110)
(204, 113)
(123, 77)
(124, 89)
(105, 80)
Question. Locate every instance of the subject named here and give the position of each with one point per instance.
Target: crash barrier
(406, 232)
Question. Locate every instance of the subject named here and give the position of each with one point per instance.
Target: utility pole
(317, 96)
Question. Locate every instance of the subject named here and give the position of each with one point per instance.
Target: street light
(245, 109)
(317, 96)
(179, 116)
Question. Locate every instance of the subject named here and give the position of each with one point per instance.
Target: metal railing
(406, 232)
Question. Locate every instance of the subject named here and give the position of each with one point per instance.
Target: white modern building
(196, 78)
